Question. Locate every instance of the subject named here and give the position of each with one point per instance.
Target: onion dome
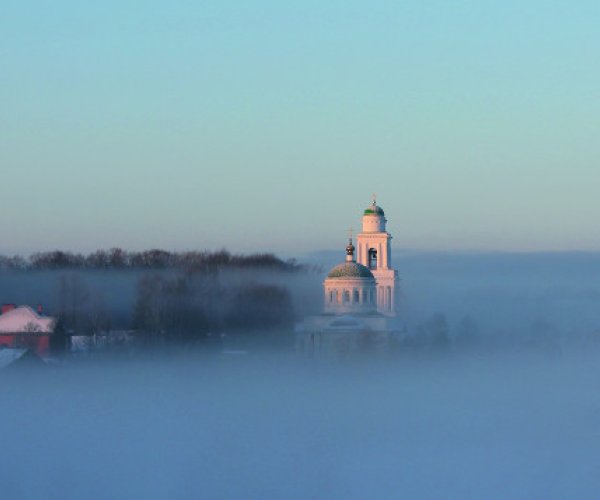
(350, 270)
(374, 210)
(350, 249)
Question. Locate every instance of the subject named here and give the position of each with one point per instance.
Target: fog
(505, 292)
(93, 301)
(506, 295)
(515, 415)
(282, 427)
(508, 298)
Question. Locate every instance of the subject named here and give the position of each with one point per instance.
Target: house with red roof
(23, 327)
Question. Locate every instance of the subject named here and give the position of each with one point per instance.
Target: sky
(267, 126)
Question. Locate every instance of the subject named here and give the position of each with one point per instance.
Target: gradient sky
(264, 125)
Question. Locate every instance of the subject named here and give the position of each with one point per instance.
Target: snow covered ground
(501, 426)
(10, 356)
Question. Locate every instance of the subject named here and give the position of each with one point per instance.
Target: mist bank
(163, 296)
(279, 427)
(498, 297)
(482, 300)
(168, 306)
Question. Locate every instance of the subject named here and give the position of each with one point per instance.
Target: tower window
(372, 258)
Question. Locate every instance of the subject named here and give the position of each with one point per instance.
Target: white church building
(360, 295)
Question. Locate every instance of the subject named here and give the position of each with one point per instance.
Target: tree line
(179, 307)
(155, 259)
(190, 308)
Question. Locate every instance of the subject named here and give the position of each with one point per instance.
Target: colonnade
(350, 296)
(385, 299)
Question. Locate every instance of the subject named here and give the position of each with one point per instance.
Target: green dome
(374, 210)
(350, 270)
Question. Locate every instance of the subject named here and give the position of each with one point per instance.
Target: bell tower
(374, 248)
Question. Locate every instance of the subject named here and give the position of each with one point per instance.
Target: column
(386, 261)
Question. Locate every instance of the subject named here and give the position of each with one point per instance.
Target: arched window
(346, 296)
(355, 297)
(372, 258)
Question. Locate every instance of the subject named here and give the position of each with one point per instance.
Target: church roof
(374, 210)
(25, 320)
(350, 270)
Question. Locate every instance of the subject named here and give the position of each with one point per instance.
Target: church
(360, 295)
